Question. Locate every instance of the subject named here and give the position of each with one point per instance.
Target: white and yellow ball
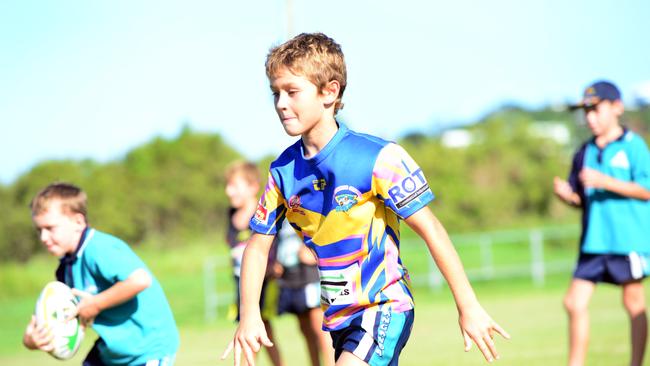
(54, 305)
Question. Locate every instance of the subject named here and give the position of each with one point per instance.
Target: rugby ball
(55, 303)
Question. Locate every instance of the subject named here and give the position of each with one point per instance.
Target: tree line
(172, 189)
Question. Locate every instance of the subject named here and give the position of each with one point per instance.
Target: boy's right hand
(38, 337)
(564, 191)
(249, 337)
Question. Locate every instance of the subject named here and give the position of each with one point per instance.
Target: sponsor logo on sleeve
(408, 189)
(261, 214)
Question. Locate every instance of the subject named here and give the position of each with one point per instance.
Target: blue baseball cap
(596, 93)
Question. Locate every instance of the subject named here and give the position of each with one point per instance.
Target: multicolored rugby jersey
(346, 203)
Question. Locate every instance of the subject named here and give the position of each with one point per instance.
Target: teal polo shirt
(613, 224)
(138, 330)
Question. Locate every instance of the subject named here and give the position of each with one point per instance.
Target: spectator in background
(242, 186)
(610, 181)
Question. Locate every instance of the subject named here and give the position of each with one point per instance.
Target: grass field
(532, 314)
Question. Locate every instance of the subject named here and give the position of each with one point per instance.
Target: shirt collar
(329, 147)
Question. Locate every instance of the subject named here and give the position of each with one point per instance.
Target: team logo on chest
(345, 197)
(620, 160)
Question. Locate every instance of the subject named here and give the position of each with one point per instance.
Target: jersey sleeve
(114, 261)
(576, 167)
(271, 209)
(641, 165)
(400, 182)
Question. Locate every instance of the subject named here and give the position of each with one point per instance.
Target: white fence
(531, 253)
(532, 263)
(215, 296)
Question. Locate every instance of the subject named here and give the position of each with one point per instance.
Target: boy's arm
(596, 179)
(474, 322)
(251, 334)
(563, 191)
(91, 305)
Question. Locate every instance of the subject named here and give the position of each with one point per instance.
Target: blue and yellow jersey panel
(346, 204)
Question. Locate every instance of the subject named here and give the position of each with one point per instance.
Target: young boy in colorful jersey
(610, 181)
(242, 187)
(344, 193)
(119, 296)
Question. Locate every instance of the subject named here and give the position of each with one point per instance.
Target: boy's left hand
(88, 308)
(476, 325)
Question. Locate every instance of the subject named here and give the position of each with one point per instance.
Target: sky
(94, 79)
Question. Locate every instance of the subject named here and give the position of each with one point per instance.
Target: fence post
(487, 265)
(537, 257)
(211, 297)
(435, 278)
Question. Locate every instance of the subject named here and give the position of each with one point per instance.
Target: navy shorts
(376, 337)
(616, 269)
(299, 300)
(93, 359)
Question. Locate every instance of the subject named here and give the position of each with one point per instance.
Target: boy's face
(240, 191)
(604, 116)
(298, 102)
(60, 232)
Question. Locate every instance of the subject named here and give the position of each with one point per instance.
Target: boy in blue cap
(610, 181)
(120, 298)
(345, 193)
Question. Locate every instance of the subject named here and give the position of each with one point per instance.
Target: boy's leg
(324, 340)
(318, 341)
(634, 302)
(576, 304)
(348, 359)
(310, 337)
(269, 308)
(273, 352)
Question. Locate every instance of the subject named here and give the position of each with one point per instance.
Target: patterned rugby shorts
(376, 337)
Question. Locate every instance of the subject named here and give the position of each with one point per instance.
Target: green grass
(532, 314)
(533, 317)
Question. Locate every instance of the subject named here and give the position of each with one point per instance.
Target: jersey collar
(327, 150)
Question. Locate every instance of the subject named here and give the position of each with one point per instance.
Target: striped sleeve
(271, 210)
(400, 182)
